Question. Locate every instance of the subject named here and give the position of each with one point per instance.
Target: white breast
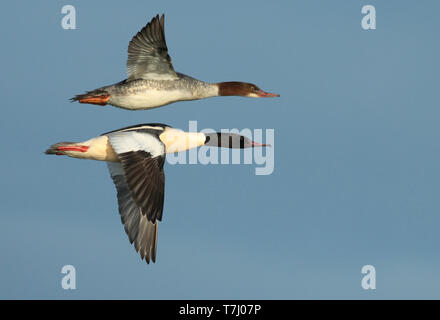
(176, 140)
(149, 99)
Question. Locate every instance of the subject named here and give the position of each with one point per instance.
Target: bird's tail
(67, 148)
(98, 96)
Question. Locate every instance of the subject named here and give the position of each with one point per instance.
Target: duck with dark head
(135, 157)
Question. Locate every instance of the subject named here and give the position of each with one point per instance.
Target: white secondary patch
(134, 141)
(149, 99)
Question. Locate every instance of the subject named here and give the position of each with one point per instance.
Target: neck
(204, 90)
(176, 140)
(231, 88)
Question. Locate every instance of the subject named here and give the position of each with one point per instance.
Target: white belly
(149, 99)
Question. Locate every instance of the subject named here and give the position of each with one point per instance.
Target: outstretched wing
(140, 184)
(148, 54)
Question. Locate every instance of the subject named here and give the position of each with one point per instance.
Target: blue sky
(357, 153)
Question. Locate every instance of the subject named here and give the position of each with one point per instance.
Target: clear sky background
(357, 153)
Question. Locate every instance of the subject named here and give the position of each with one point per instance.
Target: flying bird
(152, 81)
(135, 157)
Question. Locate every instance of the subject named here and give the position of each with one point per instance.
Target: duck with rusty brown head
(152, 81)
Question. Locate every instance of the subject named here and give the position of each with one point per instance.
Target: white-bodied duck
(135, 157)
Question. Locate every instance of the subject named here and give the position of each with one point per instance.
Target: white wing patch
(134, 141)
